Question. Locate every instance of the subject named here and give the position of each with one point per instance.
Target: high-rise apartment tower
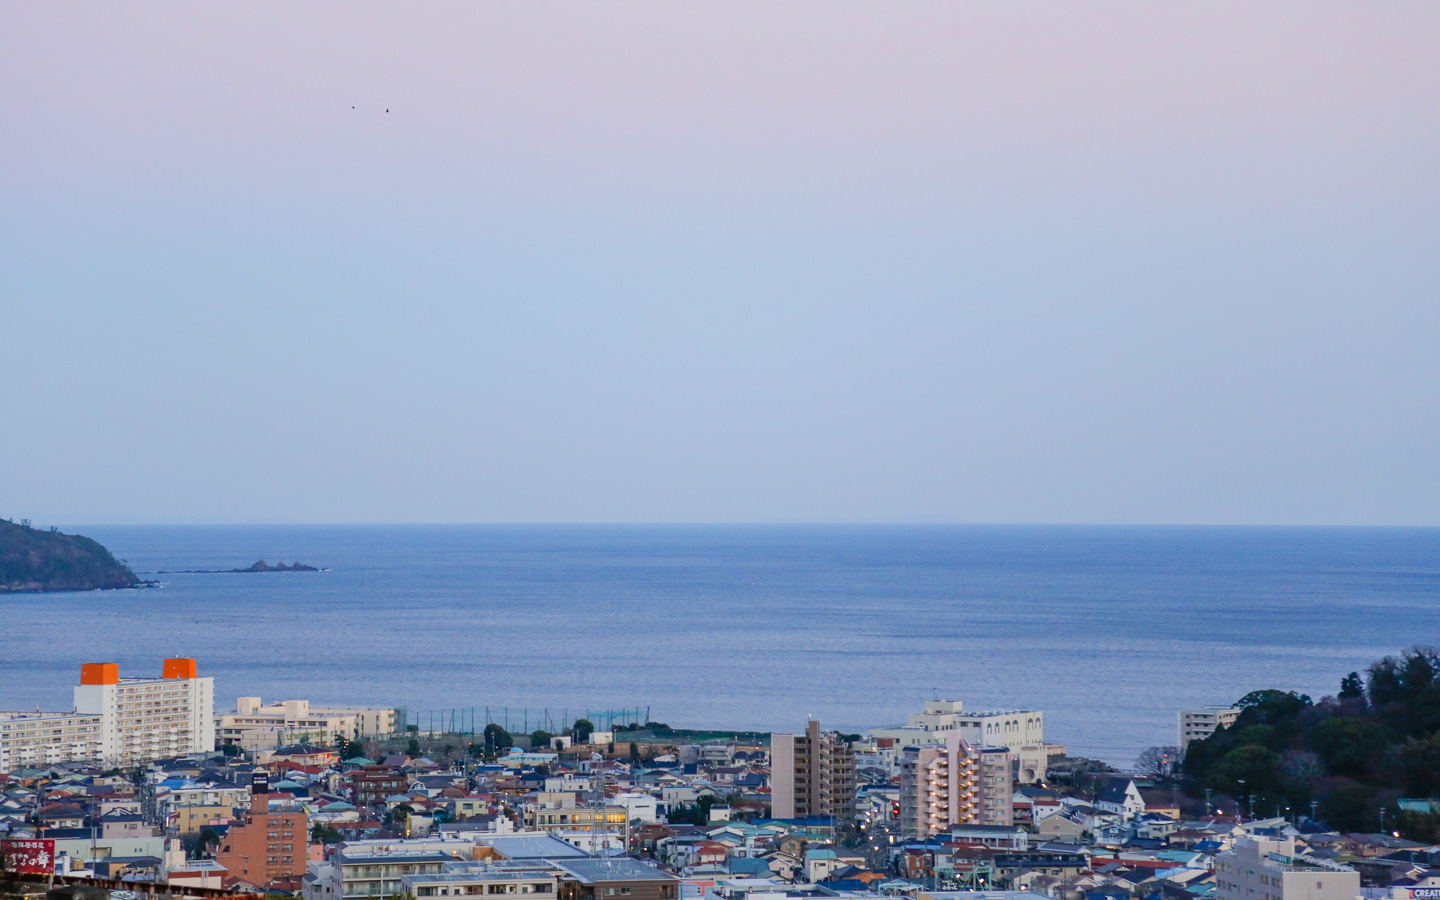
(812, 774)
(953, 783)
(117, 721)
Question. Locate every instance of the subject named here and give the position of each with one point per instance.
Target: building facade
(271, 845)
(462, 879)
(593, 827)
(1198, 724)
(812, 774)
(38, 739)
(255, 726)
(1021, 731)
(372, 784)
(954, 783)
(117, 721)
(616, 877)
(1263, 869)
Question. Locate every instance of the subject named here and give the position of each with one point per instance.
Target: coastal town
(143, 788)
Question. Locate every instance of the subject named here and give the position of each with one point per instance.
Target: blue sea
(1108, 630)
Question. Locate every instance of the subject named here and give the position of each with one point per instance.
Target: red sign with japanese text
(28, 855)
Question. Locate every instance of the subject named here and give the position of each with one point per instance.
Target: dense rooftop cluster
(951, 805)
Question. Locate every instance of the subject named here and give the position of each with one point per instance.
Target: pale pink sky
(1264, 91)
(704, 261)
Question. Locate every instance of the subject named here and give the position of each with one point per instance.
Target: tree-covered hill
(34, 560)
(1353, 755)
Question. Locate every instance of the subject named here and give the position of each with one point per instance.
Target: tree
(634, 754)
(1419, 763)
(540, 738)
(583, 729)
(1350, 747)
(1349, 807)
(413, 749)
(497, 740)
(347, 748)
(208, 840)
(400, 816)
(1270, 707)
(1256, 766)
(697, 813)
(1301, 769)
(1352, 687)
(1160, 763)
(1393, 681)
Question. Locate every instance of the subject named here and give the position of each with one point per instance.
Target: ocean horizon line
(797, 523)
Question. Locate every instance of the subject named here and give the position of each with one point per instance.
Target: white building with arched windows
(1021, 731)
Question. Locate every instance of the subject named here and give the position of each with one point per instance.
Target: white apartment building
(593, 827)
(117, 721)
(458, 879)
(1198, 724)
(1258, 868)
(40, 739)
(254, 726)
(171, 798)
(370, 722)
(953, 783)
(639, 806)
(1021, 731)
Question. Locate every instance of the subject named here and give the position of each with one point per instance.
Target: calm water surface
(1109, 630)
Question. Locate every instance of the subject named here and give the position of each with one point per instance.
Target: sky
(712, 262)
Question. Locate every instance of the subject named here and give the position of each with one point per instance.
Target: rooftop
(591, 871)
(483, 873)
(346, 859)
(530, 846)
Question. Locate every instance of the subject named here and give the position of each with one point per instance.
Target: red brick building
(374, 783)
(271, 846)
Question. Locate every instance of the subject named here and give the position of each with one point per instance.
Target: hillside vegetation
(1354, 755)
(33, 560)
